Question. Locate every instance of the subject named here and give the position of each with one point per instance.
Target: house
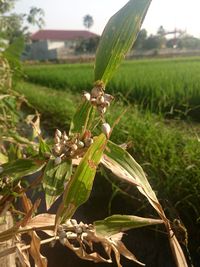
(56, 44)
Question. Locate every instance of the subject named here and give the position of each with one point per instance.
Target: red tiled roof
(61, 35)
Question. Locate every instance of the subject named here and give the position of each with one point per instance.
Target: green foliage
(87, 45)
(120, 223)
(55, 177)
(123, 27)
(80, 185)
(13, 54)
(12, 24)
(169, 86)
(20, 168)
(6, 5)
(137, 176)
(82, 119)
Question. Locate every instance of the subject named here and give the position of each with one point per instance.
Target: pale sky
(68, 14)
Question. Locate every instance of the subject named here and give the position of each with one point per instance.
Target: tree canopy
(88, 21)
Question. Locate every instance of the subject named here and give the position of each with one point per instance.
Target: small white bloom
(74, 147)
(80, 144)
(87, 96)
(58, 133)
(57, 160)
(106, 128)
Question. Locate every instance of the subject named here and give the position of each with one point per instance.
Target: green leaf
(44, 149)
(54, 180)
(79, 187)
(83, 118)
(121, 163)
(15, 49)
(120, 223)
(3, 158)
(118, 37)
(13, 53)
(21, 167)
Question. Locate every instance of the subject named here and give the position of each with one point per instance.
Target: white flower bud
(73, 222)
(71, 235)
(58, 133)
(57, 160)
(65, 137)
(57, 148)
(57, 139)
(86, 96)
(80, 144)
(74, 147)
(78, 230)
(106, 129)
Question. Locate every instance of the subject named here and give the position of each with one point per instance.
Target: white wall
(55, 44)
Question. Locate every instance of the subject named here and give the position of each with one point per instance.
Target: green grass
(170, 86)
(56, 107)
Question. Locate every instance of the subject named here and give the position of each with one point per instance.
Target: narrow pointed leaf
(122, 164)
(118, 37)
(79, 187)
(120, 223)
(82, 118)
(54, 180)
(21, 167)
(177, 251)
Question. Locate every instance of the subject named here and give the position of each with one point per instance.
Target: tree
(161, 35)
(88, 21)
(6, 6)
(152, 42)
(88, 45)
(12, 25)
(161, 31)
(142, 36)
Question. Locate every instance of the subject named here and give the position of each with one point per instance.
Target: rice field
(170, 86)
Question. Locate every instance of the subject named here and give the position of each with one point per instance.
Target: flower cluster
(98, 98)
(70, 146)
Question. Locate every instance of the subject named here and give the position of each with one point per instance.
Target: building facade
(56, 44)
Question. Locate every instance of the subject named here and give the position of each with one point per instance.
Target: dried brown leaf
(125, 252)
(44, 222)
(81, 253)
(40, 260)
(23, 256)
(177, 250)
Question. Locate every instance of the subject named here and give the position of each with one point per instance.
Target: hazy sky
(68, 14)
